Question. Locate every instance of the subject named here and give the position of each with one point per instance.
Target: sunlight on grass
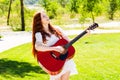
(97, 58)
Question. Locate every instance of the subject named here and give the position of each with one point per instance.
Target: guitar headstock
(93, 26)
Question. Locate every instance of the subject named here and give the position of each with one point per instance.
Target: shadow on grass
(15, 68)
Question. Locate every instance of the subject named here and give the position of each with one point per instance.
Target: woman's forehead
(43, 14)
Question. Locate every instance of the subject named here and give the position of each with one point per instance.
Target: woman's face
(44, 18)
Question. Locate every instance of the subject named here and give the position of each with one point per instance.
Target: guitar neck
(74, 40)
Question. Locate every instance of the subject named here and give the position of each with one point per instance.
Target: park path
(12, 39)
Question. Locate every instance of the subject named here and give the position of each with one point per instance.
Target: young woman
(44, 36)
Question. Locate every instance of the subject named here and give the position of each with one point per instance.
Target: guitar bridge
(54, 55)
(60, 57)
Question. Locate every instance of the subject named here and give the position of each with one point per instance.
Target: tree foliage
(63, 3)
(112, 8)
(50, 6)
(86, 10)
(74, 5)
(3, 6)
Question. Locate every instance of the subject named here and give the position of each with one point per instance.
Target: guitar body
(53, 65)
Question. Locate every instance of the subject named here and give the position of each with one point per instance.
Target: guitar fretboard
(75, 39)
(80, 35)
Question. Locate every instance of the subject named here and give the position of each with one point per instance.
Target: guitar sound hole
(63, 56)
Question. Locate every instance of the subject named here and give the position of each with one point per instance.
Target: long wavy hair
(38, 27)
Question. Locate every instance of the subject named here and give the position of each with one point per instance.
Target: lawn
(97, 58)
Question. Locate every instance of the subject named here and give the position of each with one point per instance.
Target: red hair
(38, 27)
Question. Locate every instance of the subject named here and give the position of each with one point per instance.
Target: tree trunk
(111, 16)
(9, 12)
(22, 16)
(93, 17)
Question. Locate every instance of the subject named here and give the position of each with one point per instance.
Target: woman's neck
(46, 27)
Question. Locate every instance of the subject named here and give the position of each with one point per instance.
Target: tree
(112, 8)
(89, 6)
(9, 12)
(22, 16)
(45, 4)
(74, 5)
(51, 7)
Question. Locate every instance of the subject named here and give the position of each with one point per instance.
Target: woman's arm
(40, 47)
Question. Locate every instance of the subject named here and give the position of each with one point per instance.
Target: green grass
(97, 58)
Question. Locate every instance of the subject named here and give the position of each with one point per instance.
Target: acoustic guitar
(52, 62)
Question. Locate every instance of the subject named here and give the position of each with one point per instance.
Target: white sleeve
(38, 37)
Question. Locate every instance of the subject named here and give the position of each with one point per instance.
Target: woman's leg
(65, 76)
(58, 79)
(53, 78)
